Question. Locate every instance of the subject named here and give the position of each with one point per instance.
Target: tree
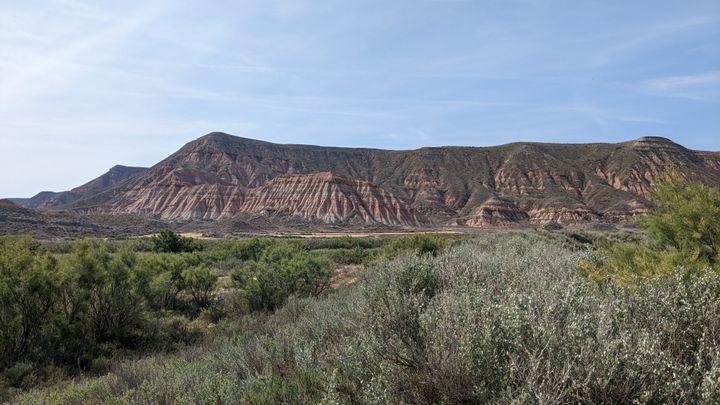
(28, 292)
(683, 231)
(686, 219)
(200, 281)
(100, 286)
(170, 242)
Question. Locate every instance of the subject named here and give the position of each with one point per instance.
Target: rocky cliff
(330, 199)
(220, 176)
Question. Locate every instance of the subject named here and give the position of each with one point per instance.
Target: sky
(85, 85)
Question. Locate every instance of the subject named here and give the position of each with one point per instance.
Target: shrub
(28, 293)
(77, 310)
(158, 278)
(346, 242)
(422, 243)
(356, 255)
(102, 300)
(685, 219)
(502, 319)
(683, 232)
(170, 242)
(200, 282)
(282, 270)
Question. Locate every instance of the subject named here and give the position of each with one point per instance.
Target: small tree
(28, 293)
(170, 242)
(686, 218)
(158, 277)
(200, 282)
(683, 230)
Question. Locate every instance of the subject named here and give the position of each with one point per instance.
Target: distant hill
(35, 201)
(49, 199)
(44, 224)
(221, 176)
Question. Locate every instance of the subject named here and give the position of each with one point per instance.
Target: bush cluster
(502, 319)
(283, 269)
(511, 317)
(69, 310)
(420, 244)
(92, 301)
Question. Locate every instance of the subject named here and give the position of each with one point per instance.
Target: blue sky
(87, 85)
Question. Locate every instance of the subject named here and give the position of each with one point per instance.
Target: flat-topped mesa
(330, 198)
(221, 176)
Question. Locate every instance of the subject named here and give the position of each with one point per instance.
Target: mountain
(44, 224)
(49, 199)
(35, 201)
(221, 176)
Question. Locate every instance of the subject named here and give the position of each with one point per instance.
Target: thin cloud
(45, 71)
(683, 82)
(704, 87)
(625, 43)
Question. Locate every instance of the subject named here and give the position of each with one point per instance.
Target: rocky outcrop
(562, 215)
(495, 212)
(331, 199)
(221, 176)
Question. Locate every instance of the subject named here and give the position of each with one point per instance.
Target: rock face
(495, 212)
(221, 176)
(330, 199)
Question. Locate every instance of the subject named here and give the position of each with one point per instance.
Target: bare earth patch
(344, 276)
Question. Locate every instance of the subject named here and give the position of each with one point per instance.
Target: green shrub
(170, 242)
(683, 232)
(80, 309)
(158, 278)
(282, 270)
(356, 255)
(685, 219)
(346, 242)
(200, 283)
(103, 302)
(421, 244)
(29, 291)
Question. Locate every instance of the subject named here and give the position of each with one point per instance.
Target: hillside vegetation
(511, 317)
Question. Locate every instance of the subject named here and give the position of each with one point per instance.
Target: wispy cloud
(54, 70)
(615, 47)
(685, 81)
(698, 87)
